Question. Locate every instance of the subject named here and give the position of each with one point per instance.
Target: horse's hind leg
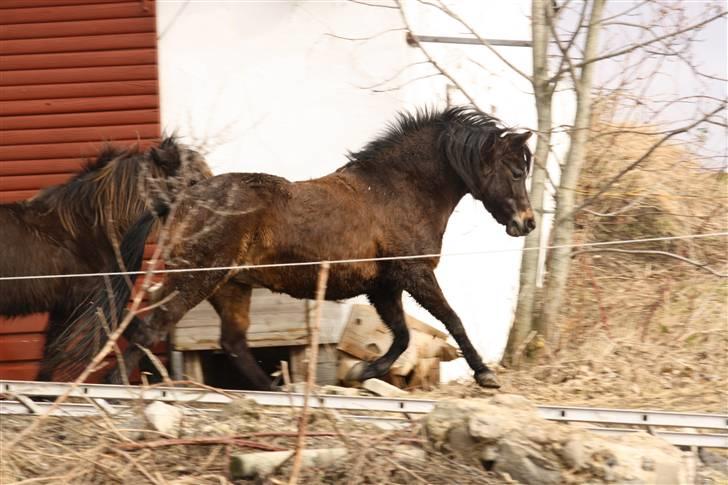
(232, 302)
(389, 306)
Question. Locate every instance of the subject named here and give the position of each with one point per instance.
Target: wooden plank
(40, 167)
(79, 43)
(73, 12)
(78, 74)
(192, 365)
(22, 346)
(16, 195)
(60, 150)
(77, 28)
(57, 150)
(19, 371)
(101, 118)
(49, 3)
(123, 57)
(35, 323)
(79, 105)
(298, 363)
(90, 133)
(75, 90)
(28, 182)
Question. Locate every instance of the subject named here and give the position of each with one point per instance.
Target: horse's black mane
(466, 138)
(105, 186)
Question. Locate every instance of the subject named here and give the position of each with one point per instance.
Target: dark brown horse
(393, 198)
(71, 228)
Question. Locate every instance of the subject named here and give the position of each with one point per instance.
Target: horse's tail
(88, 329)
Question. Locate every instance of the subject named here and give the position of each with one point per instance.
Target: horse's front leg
(232, 303)
(389, 306)
(139, 332)
(426, 291)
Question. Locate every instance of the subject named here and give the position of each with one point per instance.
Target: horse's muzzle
(521, 224)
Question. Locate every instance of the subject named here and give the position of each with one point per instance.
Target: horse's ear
(167, 157)
(517, 140)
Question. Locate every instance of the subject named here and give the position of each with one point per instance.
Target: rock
(408, 453)
(134, 427)
(573, 454)
(251, 465)
(505, 434)
(340, 391)
(381, 388)
(245, 408)
(164, 418)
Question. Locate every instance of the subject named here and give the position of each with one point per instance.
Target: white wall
(268, 90)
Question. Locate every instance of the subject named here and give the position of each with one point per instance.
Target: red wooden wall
(73, 74)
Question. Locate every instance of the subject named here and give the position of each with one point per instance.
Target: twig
(406, 470)
(703, 266)
(323, 277)
(157, 364)
(137, 465)
(213, 440)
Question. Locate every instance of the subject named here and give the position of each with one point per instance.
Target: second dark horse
(393, 198)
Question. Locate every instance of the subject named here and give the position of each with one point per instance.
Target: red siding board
(40, 167)
(73, 12)
(82, 43)
(63, 120)
(91, 133)
(126, 57)
(35, 323)
(78, 74)
(75, 90)
(76, 105)
(49, 3)
(30, 182)
(73, 74)
(16, 195)
(77, 28)
(60, 150)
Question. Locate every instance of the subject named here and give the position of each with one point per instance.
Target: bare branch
(640, 45)
(361, 39)
(394, 76)
(424, 51)
(703, 266)
(644, 157)
(475, 34)
(368, 4)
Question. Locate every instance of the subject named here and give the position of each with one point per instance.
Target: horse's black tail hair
(104, 310)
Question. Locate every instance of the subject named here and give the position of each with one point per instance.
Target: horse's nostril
(530, 224)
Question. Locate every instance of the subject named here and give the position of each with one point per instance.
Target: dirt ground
(95, 450)
(619, 373)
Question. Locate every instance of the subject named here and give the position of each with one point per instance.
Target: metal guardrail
(22, 391)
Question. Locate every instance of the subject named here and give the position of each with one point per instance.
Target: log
(252, 465)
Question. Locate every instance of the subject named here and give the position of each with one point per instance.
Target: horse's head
(174, 168)
(504, 192)
(493, 163)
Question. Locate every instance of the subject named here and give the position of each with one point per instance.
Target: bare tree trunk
(543, 91)
(558, 268)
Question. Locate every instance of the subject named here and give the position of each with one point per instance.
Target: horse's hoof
(356, 373)
(487, 379)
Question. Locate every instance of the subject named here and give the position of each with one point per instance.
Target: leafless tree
(599, 52)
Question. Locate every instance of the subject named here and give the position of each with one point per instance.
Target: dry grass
(642, 330)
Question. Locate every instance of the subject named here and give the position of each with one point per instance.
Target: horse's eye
(518, 174)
